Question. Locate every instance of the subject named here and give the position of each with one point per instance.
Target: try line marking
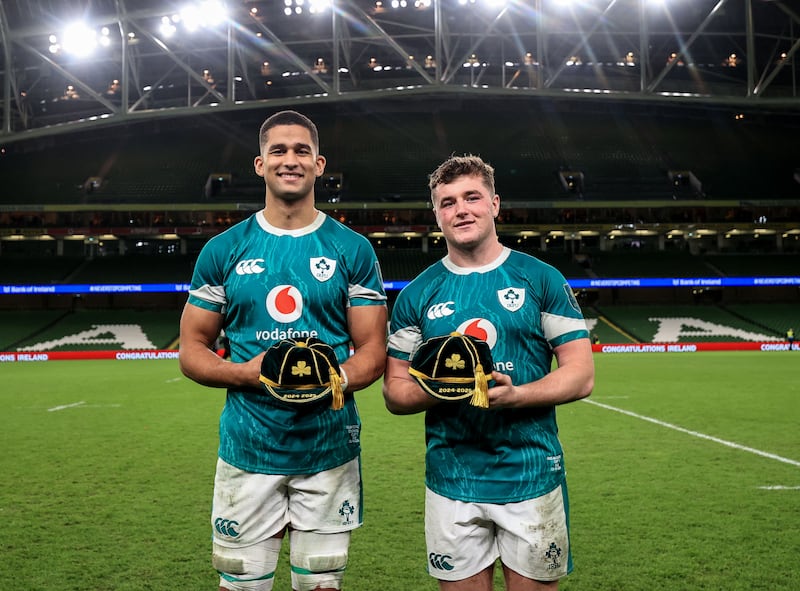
(63, 406)
(751, 450)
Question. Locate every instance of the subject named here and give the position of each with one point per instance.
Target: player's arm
(402, 394)
(367, 327)
(198, 360)
(573, 379)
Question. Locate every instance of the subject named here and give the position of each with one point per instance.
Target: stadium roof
(151, 59)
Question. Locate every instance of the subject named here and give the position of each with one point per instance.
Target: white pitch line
(63, 406)
(751, 450)
(779, 487)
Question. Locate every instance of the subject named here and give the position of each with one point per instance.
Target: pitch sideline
(65, 406)
(731, 444)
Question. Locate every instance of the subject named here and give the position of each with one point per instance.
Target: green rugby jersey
(272, 284)
(523, 308)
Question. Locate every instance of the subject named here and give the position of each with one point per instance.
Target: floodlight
(318, 6)
(79, 39)
(214, 12)
(190, 19)
(166, 28)
(205, 14)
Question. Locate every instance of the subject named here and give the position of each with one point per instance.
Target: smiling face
(465, 210)
(289, 163)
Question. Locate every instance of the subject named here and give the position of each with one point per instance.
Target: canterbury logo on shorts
(440, 561)
(226, 527)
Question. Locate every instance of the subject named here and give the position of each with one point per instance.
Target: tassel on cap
(336, 389)
(480, 395)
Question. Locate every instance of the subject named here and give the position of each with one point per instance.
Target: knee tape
(318, 560)
(251, 568)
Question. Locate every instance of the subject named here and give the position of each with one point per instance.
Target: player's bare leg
(483, 581)
(516, 582)
(479, 582)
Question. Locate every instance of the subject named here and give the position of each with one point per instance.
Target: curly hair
(458, 166)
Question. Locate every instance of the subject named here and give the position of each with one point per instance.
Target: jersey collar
(312, 227)
(453, 268)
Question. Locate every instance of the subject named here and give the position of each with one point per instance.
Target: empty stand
(616, 264)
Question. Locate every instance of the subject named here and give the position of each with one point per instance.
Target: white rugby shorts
(530, 537)
(250, 507)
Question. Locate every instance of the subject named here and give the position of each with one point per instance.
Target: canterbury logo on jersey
(440, 310)
(440, 561)
(250, 267)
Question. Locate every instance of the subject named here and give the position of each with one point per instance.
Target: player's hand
(252, 369)
(503, 394)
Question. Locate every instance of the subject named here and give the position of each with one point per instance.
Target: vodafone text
(504, 366)
(278, 334)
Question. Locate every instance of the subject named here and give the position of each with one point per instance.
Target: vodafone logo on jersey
(285, 303)
(480, 328)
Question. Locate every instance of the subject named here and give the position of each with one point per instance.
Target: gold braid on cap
(336, 389)
(480, 395)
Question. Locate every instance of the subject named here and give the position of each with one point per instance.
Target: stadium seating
(624, 151)
(136, 269)
(631, 263)
(713, 323)
(776, 317)
(37, 269)
(19, 325)
(750, 265)
(78, 329)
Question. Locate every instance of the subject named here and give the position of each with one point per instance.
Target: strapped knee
(251, 568)
(318, 560)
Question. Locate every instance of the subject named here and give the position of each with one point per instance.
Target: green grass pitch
(684, 473)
